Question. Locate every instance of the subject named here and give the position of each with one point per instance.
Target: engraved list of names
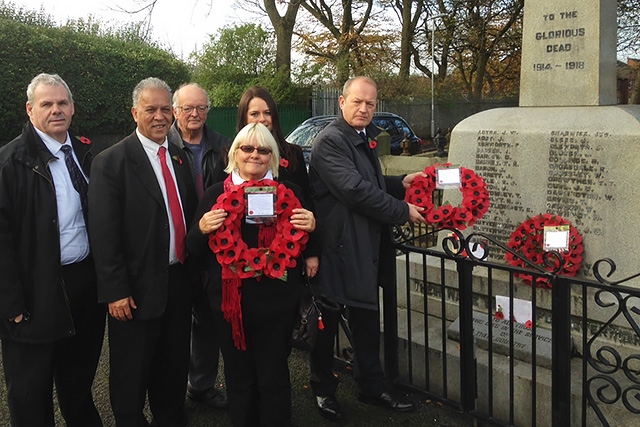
(576, 183)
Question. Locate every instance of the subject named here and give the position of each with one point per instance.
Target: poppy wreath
(528, 240)
(280, 245)
(285, 246)
(475, 199)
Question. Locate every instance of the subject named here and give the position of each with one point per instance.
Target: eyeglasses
(250, 149)
(188, 109)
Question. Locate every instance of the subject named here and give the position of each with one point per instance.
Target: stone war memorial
(567, 150)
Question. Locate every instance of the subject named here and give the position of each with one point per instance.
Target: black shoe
(214, 397)
(329, 407)
(388, 401)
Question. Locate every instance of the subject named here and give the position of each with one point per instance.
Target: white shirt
(74, 240)
(151, 149)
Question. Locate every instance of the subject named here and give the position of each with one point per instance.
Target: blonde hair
(254, 132)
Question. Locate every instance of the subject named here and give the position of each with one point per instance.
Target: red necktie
(174, 206)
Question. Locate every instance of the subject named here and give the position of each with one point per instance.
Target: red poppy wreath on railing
(475, 199)
(280, 245)
(528, 241)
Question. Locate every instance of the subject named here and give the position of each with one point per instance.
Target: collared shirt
(198, 151)
(74, 240)
(151, 149)
(237, 179)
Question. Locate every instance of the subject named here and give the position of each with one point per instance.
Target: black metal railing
(590, 382)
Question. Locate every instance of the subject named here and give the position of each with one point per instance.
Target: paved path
(305, 414)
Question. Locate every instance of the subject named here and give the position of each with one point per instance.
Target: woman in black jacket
(254, 269)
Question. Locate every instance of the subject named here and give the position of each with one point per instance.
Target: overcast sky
(184, 24)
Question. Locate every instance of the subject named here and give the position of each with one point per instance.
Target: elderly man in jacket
(205, 151)
(355, 205)
(51, 324)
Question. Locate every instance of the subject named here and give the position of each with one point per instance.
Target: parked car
(397, 127)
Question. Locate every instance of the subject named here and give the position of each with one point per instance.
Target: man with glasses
(204, 149)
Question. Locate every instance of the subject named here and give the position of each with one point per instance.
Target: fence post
(390, 319)
(561, 352)
(468, 380)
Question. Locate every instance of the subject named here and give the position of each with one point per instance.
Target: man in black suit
(142, 199)
(51, 324)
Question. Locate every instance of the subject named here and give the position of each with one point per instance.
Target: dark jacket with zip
(355, 206)
(30, 270)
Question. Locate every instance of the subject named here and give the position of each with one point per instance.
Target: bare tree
(283, 26)
(345, 29)
(410, 13)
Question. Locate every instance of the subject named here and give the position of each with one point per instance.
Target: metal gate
(576, 364)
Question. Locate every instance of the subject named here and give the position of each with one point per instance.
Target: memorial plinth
(577, 162)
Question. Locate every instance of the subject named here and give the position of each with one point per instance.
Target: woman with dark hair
(257, 106)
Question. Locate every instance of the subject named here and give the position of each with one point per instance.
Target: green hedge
(101, 72)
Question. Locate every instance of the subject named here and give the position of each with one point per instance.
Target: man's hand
(414, 214)
(407, 180)
(122, 309)
(17, 319)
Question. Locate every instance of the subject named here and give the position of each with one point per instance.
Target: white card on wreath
(448, 177)
(556, 237)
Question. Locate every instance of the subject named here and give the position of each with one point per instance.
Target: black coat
(129, 225)
(355, 204)
(30, 278)
(214, 158)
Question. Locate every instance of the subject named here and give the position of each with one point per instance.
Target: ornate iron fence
(576, 364)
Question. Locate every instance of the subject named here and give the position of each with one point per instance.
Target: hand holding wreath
(212, 220)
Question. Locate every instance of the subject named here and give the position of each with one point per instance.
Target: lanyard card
(556, 238)
(447, 177)
(261, 205)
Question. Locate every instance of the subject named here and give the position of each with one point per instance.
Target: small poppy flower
(462, 215)
(224, 240)
(373, 144)
(293, 234)
(304, 239)
(177, 159)
(528, 324)
(284, 163)
(276, 268)
(499, 315)
(285, 202)
(84, 140)
(292, 248)
(230, 255)
(257, 258)
(434, 216)
(244, 271)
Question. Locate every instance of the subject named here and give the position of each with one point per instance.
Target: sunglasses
(250, 149)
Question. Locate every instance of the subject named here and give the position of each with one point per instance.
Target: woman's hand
(211, 221)
(303, 219)
(312, 263)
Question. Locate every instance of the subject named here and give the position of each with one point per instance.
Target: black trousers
(205, 350)
(152, 356)
(31, 369)
(258, 382)
(365, 332)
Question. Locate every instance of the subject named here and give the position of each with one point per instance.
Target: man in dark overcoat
(51, 324)
(355, 206)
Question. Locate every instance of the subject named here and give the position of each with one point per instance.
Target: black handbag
(308, 320)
